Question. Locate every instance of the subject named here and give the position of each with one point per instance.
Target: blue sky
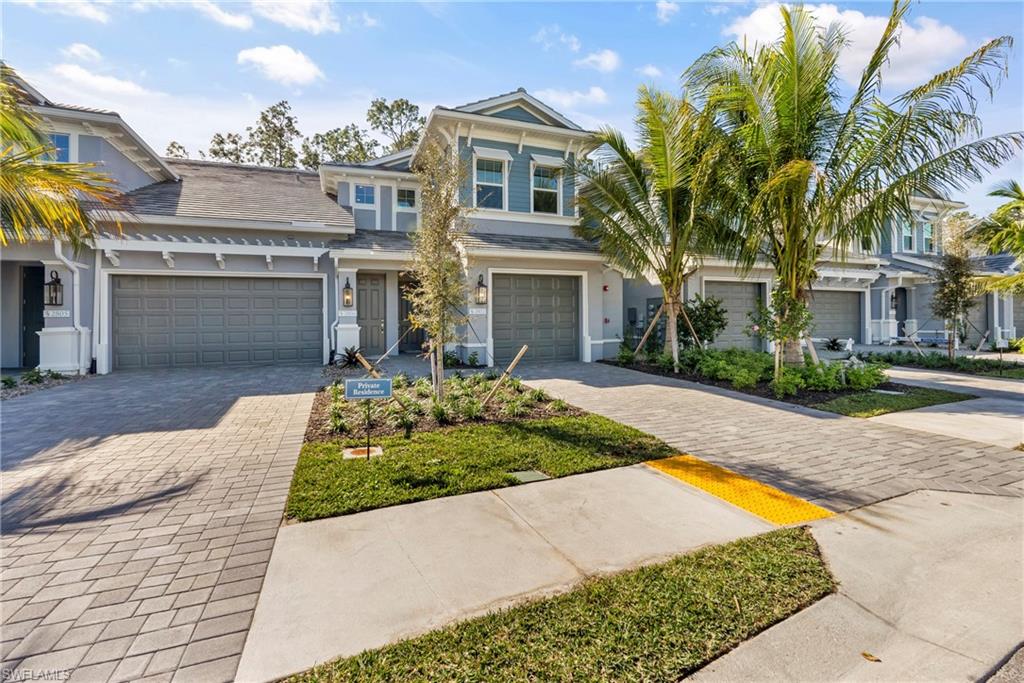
(184, 70)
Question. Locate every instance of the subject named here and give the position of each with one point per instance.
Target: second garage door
(836, 314)
(739, 300)
(540, 310)
(177, 321)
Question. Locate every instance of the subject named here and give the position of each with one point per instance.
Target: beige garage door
(167, 321)
(739, 300)
(836, 314)
(542, 311)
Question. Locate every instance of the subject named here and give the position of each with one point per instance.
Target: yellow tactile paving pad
(767, 502)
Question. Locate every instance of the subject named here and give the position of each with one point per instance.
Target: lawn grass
(657, 623)
(872, 403)
(1008, 371)
(458, 460)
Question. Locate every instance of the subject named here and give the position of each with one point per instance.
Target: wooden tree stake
(366, 364)
(505, 375)
(654, 321)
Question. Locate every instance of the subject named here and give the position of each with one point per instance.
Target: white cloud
(666, 10)
(93, 10)
(570, 99)
(552, 35)
(717, 8)
(213, 11)
(81, 52)
(281, 63)
(312, 16)
(368, 21)
(649, 70)
(103, 85)
(604, 61)
(926, 45)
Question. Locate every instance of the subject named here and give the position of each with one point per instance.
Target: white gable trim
(519, 97)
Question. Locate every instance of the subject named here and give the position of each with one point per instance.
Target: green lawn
(458, 460)
(658, 623)
(1009, 371)
(872, 403)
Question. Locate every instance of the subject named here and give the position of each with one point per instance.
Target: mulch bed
(319, 426)
(809, 398)
(24, 389)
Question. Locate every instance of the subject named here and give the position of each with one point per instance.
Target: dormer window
(928, 237)
(490, 184)
(545, 190)
(61, 151)
(908, 237)
(365, 195)
(406, 199)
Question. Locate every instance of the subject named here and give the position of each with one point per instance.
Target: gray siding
(365, 218)
(343, 194)
(517, 114)
(406, 221)
(128, 175)
(387, 202)
(10, 314)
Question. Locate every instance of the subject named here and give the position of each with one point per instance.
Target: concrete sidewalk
(930, 584)
(997, 417)
(338, 586)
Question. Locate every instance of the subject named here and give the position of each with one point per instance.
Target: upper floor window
(908, 237)
(490, 184)
(61, 147)
(365, 195)
(928, 237)
(545, 190)
(406, 199)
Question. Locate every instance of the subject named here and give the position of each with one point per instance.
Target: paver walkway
(836, 462)
(138, 515)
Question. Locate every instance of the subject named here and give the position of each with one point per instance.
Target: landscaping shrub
(33, 376)
(515, 384)
(708, 318)
(833, 344)
(53, 374)
(626, 355)
(939, 361)
(537, 395)
(441, 413)
(404, 416)
(558, 406)
(423, 387)
(473, 359)
(471, 408)
(514, 407)
(399, 380)
(451, 359)
(338, 423)
(865, 377)
(743, 369)
(823, 376)
(788, 383)
(9, 382)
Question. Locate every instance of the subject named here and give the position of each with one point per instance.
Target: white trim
(356, 204)
(534, 163)
(175, 247)
(512, 99)
(585, 341)
(522, 216)
(185, 221)
(504, 181)
(534, 254)
(913, 239)
(104, 315)
(548, 161)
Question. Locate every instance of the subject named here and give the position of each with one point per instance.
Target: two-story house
(222, 264)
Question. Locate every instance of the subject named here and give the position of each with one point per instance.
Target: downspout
(96, 310)
(76, 313)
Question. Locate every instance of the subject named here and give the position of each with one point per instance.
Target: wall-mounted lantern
(54, 290)
(480, 293)
(893, 302)
(346, 294)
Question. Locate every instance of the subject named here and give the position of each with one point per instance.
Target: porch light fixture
(54, 290)
(480, 293)
(892, 302)
(346, 294)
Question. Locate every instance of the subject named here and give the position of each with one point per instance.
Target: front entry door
(901, 311)
(370, 291)
(31, 314)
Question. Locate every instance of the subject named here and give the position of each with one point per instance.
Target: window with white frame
(61, 147)
(490, 184)
(908, 237)
(406, 198)
(545, 190)
(928, 237)
(365, 195)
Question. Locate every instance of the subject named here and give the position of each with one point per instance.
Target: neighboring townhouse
(222, 264)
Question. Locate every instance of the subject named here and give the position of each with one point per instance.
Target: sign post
(1001, 345)
(367, 390)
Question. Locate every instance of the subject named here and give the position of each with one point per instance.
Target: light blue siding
(94, 149)
(386, 202)
(517, 113)
(519, 181)
(343, 194)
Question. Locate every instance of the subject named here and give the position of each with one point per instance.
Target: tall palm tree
(40, 197)
(825, 172)
(1003, 231)
(650, 210)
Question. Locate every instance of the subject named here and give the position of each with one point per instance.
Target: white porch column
(346, 329)
(865, 315)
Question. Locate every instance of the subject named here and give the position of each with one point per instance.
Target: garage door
(540, 310)
(836, 314)
(978, 315)
(739, 300)
(165, 321)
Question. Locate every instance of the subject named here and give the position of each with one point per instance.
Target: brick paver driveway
(138, 515)
(837, 462)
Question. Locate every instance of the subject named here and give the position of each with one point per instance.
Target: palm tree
(649, 210)
(1003, 231)
(40, 197)
(826, 173)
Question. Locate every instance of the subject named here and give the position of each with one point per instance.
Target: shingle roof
(998, 263)
(236, 192)
(377, 240)
(478, 241)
